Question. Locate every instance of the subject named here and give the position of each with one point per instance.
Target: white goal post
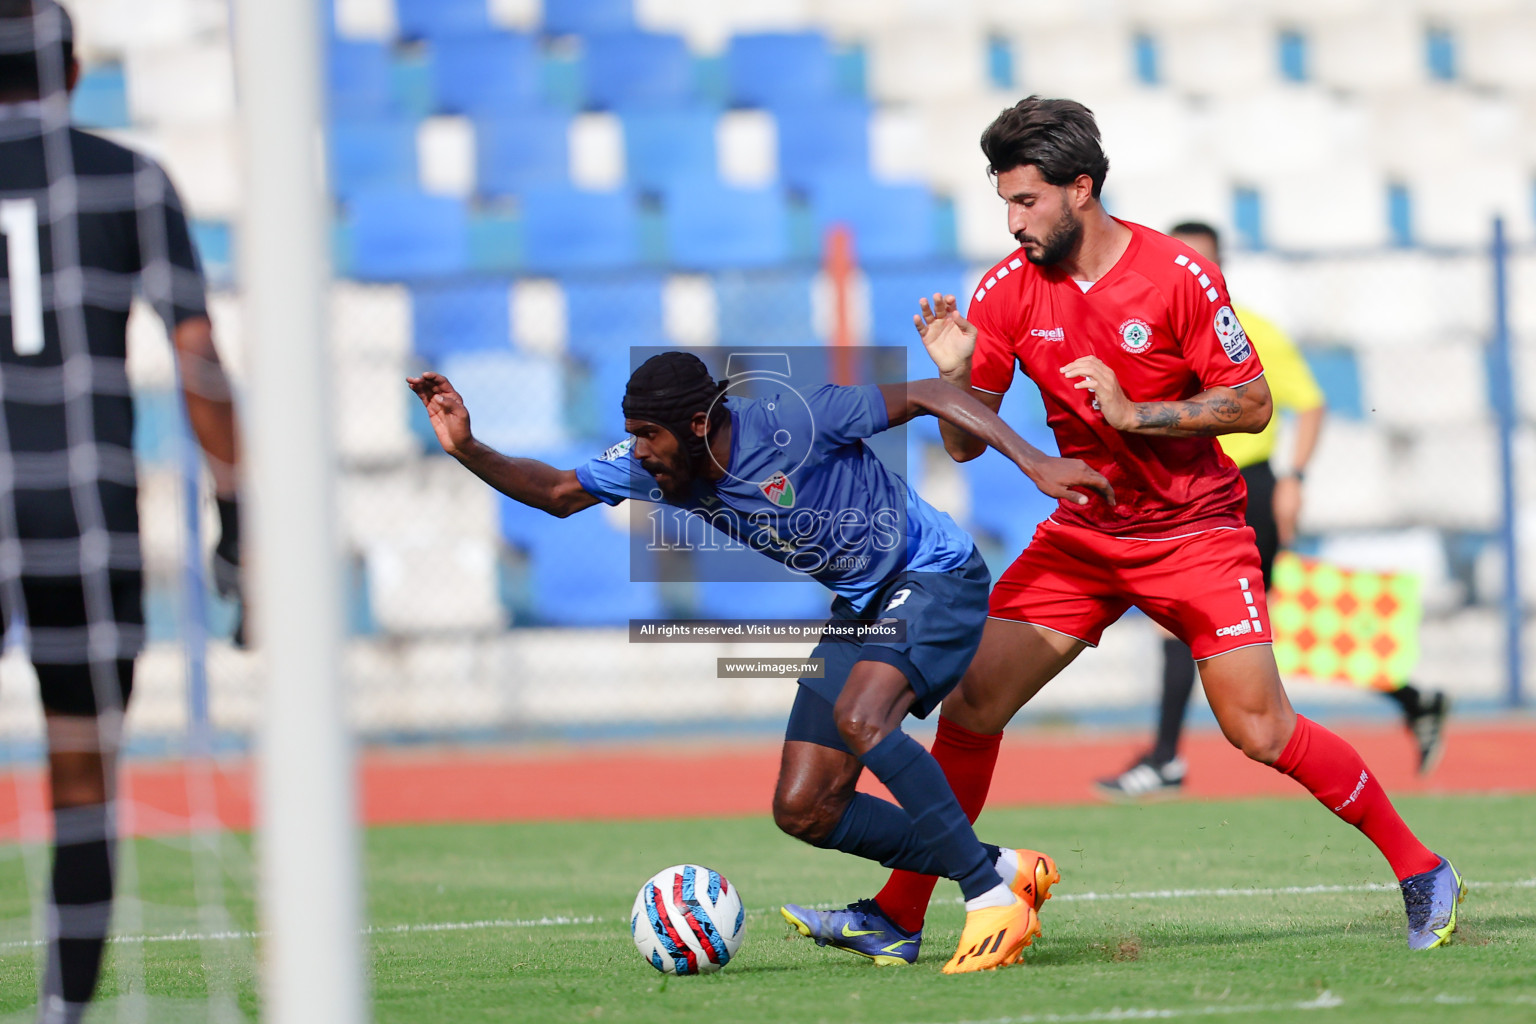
(310, 891)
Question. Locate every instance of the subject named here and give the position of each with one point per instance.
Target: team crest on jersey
(618, 451)
(1234, 340)
(1135, 335)
(778, 490)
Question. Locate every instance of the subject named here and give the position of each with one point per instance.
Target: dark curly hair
(1060, 137)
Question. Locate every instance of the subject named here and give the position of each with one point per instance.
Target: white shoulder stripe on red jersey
(1211, 294)
(997, 275)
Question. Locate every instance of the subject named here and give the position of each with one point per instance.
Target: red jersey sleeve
(1210, 336)
(993, 362)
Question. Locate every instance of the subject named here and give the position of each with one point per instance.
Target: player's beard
(677, 481)
(1056, 246)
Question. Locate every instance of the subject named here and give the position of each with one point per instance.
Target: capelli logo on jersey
(1054, 334)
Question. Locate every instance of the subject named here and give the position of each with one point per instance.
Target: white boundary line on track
(490, 924)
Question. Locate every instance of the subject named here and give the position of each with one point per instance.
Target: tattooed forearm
(1220, 411)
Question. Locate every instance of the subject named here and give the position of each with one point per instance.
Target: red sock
(967, 759)
(1333, 772)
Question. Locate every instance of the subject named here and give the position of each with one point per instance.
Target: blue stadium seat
(597, 409)
(773, 68)
(607, 314)
(215, 244)
(372, 155)
(515, 152)
(586, 17)
(890, 223)
(768, 307)
(485, 75)
(893, 296)
(100, 100)
(461, 317)
(564, 229)
(495, 242)
(711, 226)
(517, 399)
(821, 140)
(581, 568)
(398, 235)
(1338, 374)
(665, 146)
(428, 18)
(636, 69)
(1003, 500)
(358, 79)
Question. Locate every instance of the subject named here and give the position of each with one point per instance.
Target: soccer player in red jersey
(1141, 362)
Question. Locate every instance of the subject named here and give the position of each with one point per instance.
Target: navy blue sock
(934, 815)
(879, 830)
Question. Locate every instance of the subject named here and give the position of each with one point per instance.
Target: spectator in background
(1274, 505)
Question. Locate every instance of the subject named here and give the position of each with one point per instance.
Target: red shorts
(1204, 588)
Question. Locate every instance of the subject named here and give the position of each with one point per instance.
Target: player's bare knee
(807, 815)
(860, 729)
(1258, 738)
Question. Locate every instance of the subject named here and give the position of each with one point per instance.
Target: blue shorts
(944, 613)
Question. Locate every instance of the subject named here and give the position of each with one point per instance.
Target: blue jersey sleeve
(844, 415)
(615, 475)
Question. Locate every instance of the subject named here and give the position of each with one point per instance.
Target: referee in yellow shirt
(1274, 505)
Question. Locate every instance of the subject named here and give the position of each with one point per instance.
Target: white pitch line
(1325, 1001)
(564, 921)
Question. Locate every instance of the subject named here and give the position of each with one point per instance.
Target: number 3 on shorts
(899, 598)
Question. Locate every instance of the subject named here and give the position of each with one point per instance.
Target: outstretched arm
(951, 341)
(534, 483)
(1054, 476)
(1244, 409)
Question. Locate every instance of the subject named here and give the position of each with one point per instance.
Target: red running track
(605, 783)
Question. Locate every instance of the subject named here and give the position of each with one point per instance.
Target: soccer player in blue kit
(790, 476)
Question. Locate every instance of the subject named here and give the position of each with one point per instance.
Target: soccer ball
(688, 920)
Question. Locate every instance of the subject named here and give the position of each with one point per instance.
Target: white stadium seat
(192, 84)
(1450, 478)
(366, 20)
(109, 28)
(1409, 387)
(1339, 208)
(1152, 132)
(1381, 51)
(445, 156)
(690, 310)
(1077, 61)
(709, 24)
(540, 323)
(516, 15)
(1223, 58)
(432, 499)
(370, 320)
(747, 148)
(204, 162)
(440, 585)
(1385, 300)
(1280, 131)
(597, 152)
(1161, 200)
(1498, 50)
(1349, 481)
(370, 411)
(932, 63)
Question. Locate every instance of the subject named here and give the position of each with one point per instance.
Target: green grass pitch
(1117, 944)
